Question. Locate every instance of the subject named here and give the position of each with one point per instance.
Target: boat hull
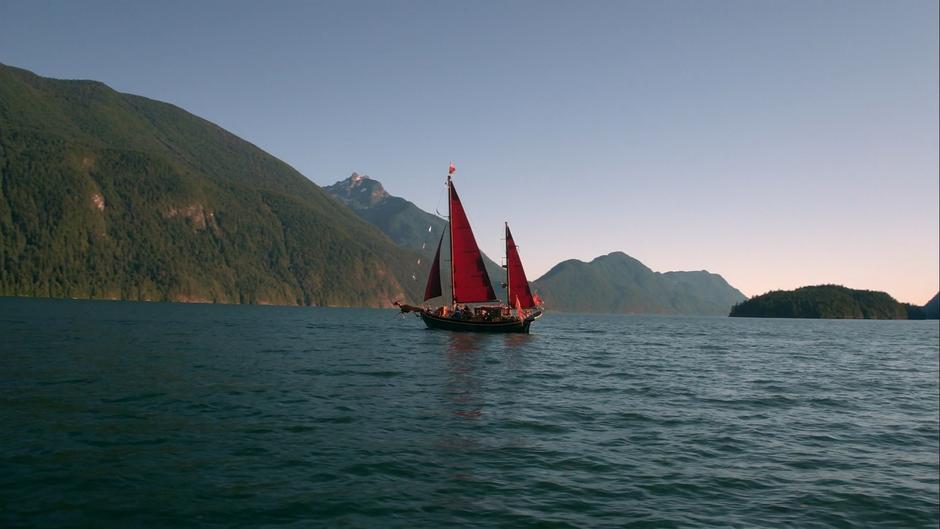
(450, 324)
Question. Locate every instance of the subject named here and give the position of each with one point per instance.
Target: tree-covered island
(827, 301)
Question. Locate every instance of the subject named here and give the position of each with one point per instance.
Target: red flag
(452, 168)
(536, 299)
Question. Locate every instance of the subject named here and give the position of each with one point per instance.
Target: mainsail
(471, 283)
(433, 288)
(516, 284)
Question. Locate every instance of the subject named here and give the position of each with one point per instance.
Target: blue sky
(779, 144)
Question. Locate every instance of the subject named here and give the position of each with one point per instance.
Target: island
(826, 301)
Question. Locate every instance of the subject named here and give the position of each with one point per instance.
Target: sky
(779, 144)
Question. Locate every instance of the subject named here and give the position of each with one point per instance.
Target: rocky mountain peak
(358, 191)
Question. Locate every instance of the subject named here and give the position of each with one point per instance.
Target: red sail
(471, 282)
(518, 285)
(433, 288)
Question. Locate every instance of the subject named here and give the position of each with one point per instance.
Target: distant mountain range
(614, 283)
(110, 195)
(832, 302)
(116, 196)
(618, 283)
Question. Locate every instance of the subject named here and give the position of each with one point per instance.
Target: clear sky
(778, 143)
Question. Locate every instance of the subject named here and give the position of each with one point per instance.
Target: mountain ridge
(618, 283)
(111, 195)
(118, 196)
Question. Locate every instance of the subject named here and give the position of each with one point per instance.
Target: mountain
(932, 308)
(111, 195)
(618, 283)
(823, 301)
(403, 222)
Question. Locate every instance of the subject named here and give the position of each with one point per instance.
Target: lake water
(163, 415)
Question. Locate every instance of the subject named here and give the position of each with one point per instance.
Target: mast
(450, 226)
(508, 288)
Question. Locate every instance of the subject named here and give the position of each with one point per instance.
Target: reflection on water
(465, 342)
(514, 341)
(466, 355)
(463, 401)
(514, 354)
(464, 385)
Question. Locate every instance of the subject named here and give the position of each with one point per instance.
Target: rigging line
(437, 207)
(429, 236)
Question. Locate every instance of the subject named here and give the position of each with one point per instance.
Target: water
(162, 415)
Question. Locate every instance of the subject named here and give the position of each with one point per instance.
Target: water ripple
(122, 414)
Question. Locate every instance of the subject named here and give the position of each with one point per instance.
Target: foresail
(433, 288)
(471, 283)
(518, 285)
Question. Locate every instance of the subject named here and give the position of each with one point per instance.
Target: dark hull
(449, 324)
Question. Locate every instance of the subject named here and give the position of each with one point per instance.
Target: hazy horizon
(777, 144)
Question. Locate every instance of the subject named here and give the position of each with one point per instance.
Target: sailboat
(460, 297)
